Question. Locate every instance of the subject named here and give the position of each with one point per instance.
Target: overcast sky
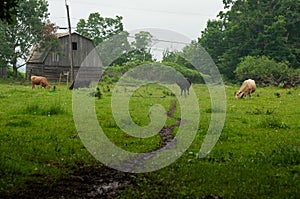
(187, 17)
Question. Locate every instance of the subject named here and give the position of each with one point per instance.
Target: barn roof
(38, 55)
(65, 34)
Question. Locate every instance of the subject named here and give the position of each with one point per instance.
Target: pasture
(257, 155)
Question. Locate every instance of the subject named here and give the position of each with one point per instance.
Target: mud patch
(88, 182)
(94, 182)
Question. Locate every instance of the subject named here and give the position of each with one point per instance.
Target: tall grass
(36, 109)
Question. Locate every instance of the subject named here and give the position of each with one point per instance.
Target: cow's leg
(33, 85)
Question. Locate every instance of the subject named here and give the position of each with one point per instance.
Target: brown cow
(247, 88)
(39, 80)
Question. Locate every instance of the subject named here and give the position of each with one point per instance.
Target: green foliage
(253, 28)
(10, 73)
(113, 73)
(99, 28)
(264, 70)
(116, 50)
(192, 74)
(29, 29)
(212, 39)
(8, 11)
(143, 40)
(177, 58)
(112, 49)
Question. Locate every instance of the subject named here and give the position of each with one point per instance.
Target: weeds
(261, 111)
(273, 122)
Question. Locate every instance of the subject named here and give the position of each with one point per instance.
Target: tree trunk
(15, 69)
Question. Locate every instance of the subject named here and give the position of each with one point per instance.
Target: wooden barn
(54, 62)
(3, 72)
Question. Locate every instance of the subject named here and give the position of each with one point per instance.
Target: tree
(98, 28)
(112, 49)
(254, 28)
(212, 38)
(141, 46)
(8, 11)
(31, 27)
(143, 40)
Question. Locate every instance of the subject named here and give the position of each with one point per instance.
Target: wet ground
(93, 182)
(89, 182)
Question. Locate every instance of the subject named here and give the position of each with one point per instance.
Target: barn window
(74, 45)
(55, 57)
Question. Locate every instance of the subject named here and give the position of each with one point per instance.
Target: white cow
(247, 88)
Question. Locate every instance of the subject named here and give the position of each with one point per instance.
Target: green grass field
(257, 155)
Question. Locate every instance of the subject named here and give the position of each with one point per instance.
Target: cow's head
(239, 94)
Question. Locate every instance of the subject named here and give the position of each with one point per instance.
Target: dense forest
(256, 39)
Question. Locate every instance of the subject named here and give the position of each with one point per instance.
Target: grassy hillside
(257, 155)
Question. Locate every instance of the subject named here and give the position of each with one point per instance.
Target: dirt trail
(168, 141)
(94, 182)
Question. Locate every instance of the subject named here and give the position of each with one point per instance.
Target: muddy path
(92, 182)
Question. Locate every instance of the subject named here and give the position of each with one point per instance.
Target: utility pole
(70, 44)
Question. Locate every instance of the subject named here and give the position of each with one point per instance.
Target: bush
(113, 73)
(264, 71)
(10, 73)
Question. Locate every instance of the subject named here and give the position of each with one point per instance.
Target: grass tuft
(273, 122)
(35, 109)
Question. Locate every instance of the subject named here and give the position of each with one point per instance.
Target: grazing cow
(39, 80)
(184, 85)
(247, 88)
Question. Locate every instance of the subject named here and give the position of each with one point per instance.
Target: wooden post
(68, 79)
(59, 80)
(70, 44)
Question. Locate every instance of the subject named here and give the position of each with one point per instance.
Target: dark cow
(80, 84)
(184, 85)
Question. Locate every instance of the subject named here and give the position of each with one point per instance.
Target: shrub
(273, 122)
(264, 70)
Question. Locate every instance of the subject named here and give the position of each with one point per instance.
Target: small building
(54, 62)
(3, 72)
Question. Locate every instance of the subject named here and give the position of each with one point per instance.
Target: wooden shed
(54, 63)
(3, 72)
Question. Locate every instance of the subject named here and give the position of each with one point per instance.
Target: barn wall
(3, 72)
(57, 60)
(34, 69)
